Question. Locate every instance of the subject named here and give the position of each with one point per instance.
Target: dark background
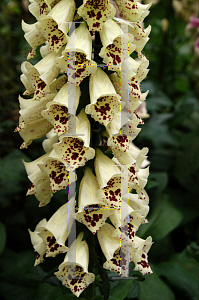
(172, 136)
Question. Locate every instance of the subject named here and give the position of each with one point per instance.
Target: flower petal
(95, 13)
(55, 37)
(90, 212)
(79, 268)
(105, 102)
(60, 223)
(57, 110)
(105, 168)
(140, 257)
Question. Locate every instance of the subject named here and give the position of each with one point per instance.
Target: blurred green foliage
(172, 135)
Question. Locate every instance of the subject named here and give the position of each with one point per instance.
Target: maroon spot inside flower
(41, 85)
(91, 14)
(97, 24)
(99, 15)
(51, 241)
(42, 8)
(74, 156)
(57, 179)
(143, 263)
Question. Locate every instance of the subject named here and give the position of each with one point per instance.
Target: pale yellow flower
(133, 10)
(57, 110)
(91, 211)
(49, 237)
(76, 57)
(115, 44)
(74, 274)
(135, 28)
(95, 13)
(105, 102)
(33, 36)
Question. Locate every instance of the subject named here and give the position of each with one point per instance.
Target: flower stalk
(112, 202)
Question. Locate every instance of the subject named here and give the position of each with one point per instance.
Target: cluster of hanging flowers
(77, 44)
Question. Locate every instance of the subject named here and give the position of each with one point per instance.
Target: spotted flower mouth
(85, 96)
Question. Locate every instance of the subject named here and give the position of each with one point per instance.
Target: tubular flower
(113, 40)
(39, 8)
(49, 237)
(37, 79)
(126, 221)
(33, 36)
(74, 151)
(140, 35)
(78, 269)
(132, 10)
(117, 257)
(90, 118)
(105, 102)
(110, 184)
(40, 182)
(55, 25)
(95, 13)
(139, 257)
(79, 49)
(57, 110)
(91, 212)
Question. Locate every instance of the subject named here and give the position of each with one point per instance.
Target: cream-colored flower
(74, 274)
(52, 138)
(117, 259)
(49, 237)
(125, 152)
(31, 109)
(39, 8)
(138, 202)
(105, 102)
(76, 57)
(115, 44)
(32, 125)
(133, 10)
(135, 74)
(91, 212)
(95, 13)
(56, 173)
(37, 78)
(126, 221)
(135, 28)
(32, 130)
(133, 103)
(57, 110)
(40, 181)
(110, 180)
(33, 37)
(72, 151)
(139, 257)
(55, 25)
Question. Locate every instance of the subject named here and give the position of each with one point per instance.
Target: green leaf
(161, 178)
(157, 132)
(46, 292)
(158, 103)
(153, 288)
(134, 291)
(12, 173)
(165, 218)
(182, 274)
(121, 289)
(2, 237)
